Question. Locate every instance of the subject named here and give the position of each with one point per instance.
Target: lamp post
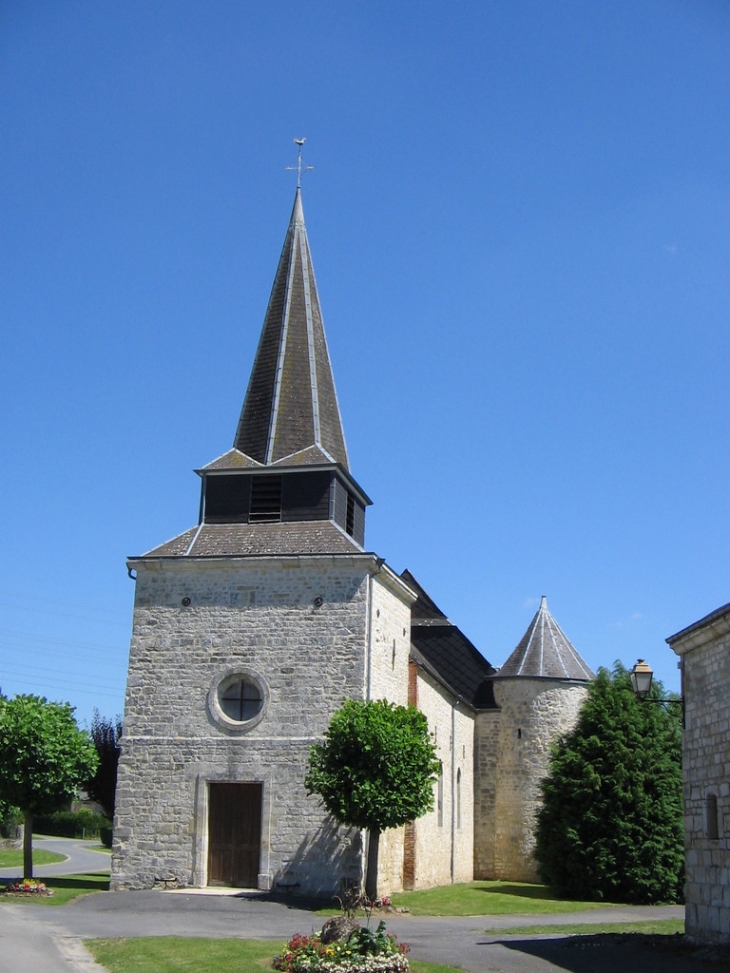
(641, 678)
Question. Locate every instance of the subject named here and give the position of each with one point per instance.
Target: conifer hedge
(610, 827)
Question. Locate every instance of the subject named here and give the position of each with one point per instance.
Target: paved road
(79, 859)
(40, 937)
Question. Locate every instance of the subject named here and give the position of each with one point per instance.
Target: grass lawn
(170, 954)
(13, 858)
(488, 899)
(65, 888)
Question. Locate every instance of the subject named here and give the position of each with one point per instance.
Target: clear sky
(520, 225)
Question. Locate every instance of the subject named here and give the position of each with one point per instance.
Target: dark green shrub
(610, 828)
(10, 822)
(105, 836)
(71, 824)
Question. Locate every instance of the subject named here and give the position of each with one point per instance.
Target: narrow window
(440, 796)
(265, 500)
(713, 832)
(458, 798)
(350, 515)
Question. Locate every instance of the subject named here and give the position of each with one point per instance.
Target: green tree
(375, 770)
(610, 827)
(102, 787)
(44, 758)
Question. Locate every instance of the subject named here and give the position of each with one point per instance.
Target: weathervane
(299, 168)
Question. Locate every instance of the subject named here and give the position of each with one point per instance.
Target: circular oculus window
(237, 699)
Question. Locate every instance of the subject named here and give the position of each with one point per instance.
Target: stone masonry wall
(390, 641)
(706, 769)
(533, 713)
(387, 678)
(444, 842)
(259, 615)
(486, 744)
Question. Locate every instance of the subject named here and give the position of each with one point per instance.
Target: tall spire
(291, 409)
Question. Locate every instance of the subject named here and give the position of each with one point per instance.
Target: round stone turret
(539, 691)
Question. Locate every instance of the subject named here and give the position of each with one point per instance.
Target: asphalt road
(40, 937)
(79, 859)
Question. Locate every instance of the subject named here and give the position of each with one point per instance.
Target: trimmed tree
(610, 827)
(102, 787)
(44, 758)
(375, 770)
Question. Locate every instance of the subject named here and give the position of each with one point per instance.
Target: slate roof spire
(544, 652)
(290, 413)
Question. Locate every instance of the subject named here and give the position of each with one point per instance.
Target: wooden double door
(234, 834)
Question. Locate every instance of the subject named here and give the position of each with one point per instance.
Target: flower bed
(363, 951)
(27, 886)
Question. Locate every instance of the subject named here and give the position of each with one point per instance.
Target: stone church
(252, 627)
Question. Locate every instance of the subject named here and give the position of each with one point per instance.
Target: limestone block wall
(387, 678)
(390, 861)
(193, 622)
(486, 744)
(390, 639)
(165, 839)
(533, 713)
(444, 838)
(706, 770)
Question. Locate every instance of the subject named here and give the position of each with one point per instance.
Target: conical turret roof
(290, 414)
(544, 652)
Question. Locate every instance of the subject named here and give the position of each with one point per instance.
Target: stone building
(252, 627)
(704, 651)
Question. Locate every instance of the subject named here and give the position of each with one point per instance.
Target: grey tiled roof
(311, 456)
(544, 652)
(424, 610)
(291, 403)
(221, 540)
(446, 653)
(234, 459)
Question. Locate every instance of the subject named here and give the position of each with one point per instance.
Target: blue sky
(520, 225)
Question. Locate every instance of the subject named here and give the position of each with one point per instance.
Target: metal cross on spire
(299, 168)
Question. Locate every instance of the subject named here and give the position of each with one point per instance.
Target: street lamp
(641, 677)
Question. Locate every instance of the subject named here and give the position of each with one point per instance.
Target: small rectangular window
(265, 500)
(713, 831)
(350, 516)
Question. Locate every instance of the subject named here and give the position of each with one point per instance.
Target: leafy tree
(610, 827)
(44, 757)
(102, 787)
(375, 770)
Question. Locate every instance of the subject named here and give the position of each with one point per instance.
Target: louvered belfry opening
(265, 500)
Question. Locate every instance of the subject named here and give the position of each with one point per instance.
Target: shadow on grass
(93, 882)
(64, 889)
(522, 891)
(609, 952)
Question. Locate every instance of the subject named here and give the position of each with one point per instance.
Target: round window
(237, 699)
(240, 699)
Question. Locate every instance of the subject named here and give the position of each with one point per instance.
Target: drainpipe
(453, 788)
(365, 842)
(369, 626)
